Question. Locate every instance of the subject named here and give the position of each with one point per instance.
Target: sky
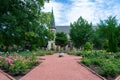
(68, 11)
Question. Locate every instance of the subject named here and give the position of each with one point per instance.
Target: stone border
(10, 77)
(91, 71)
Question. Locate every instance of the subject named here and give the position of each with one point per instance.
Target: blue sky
(68, 11)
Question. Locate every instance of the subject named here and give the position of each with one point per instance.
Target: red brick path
(64, 68)
(3, 77)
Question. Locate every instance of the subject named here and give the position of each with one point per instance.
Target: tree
(81, 32)
(61, 39)
(20, 19)
(106, 45)
(88, 46)
(112, 24)
(97, 40)
(107, 30)
(118, 35)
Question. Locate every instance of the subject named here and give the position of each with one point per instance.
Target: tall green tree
(100, 35)
(112, 24)
(107, 30)
(20, 19)
(81, 32)
(118, 35)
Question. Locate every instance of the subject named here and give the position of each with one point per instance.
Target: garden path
(60, 68)
(3, 76)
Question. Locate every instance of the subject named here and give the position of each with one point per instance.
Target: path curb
(10, 77)
(91, 71)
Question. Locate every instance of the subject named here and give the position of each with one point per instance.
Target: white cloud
(58, 10)
(91, 10)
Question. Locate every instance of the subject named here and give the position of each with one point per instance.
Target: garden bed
(104, 63)
(17, 77)
(91, 70)
(19, 64)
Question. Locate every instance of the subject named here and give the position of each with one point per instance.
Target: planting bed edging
(91, 71)
(10, 77)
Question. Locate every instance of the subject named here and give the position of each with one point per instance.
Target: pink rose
(10, 61)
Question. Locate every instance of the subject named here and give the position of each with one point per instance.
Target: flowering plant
(17, 64)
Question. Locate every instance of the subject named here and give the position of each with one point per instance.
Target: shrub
(112, 42)
(40, 54)
(18, 67)
(33, 60)
(78, 53)
(106, 45)
(106, 64)
(71, 52)
(88, 46)
(5, 62)
(17, 64)
(86, 61)
(110, 69)
(117, 55)
(49, 52)
(96, 61)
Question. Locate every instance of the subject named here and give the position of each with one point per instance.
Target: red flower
(10, 61)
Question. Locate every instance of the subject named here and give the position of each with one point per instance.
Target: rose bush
(17, 64)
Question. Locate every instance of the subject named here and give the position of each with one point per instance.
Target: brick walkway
(3, 77)
(64, 68)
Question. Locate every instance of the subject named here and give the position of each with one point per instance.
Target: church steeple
(53, 20)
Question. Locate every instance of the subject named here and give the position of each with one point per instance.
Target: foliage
(71, 52)
(107, 30)
(106, 45)
(88, 46)
(97, 40)
(117, 33)
(81, 32)
(112, 23)
(21, 21)
(39, 53)
(18, 67)
(61, 39)
(49, 52)
(18, 64)
(104, 63)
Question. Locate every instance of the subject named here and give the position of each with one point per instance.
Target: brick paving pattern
(60, 68)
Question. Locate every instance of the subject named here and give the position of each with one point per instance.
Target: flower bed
(106, 64)
(16, 64)
(20, 63)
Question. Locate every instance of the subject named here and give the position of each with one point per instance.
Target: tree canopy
(22, 20)
(81, 32)
(107, 31)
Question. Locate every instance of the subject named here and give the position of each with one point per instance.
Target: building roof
(65, 29)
